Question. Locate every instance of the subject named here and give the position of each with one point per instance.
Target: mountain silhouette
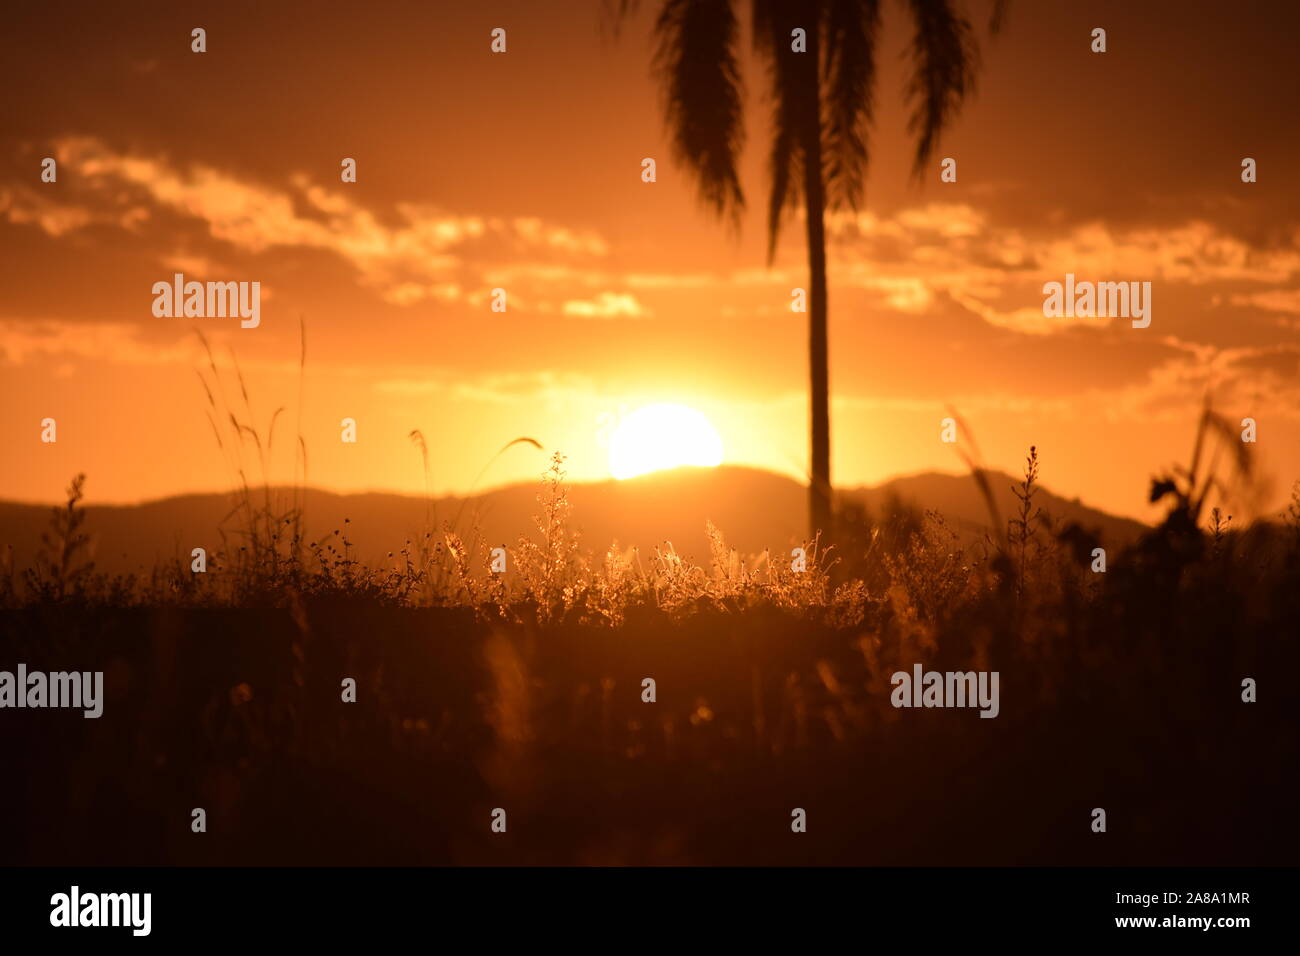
(754, 509)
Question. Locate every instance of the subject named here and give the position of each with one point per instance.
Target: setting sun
(663, 436)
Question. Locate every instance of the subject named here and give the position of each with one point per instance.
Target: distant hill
(959, 500)
(753, 508)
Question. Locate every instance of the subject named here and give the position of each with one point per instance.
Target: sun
(662, 436)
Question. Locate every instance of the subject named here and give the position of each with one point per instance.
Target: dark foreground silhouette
(240, 712)
(1124, 690)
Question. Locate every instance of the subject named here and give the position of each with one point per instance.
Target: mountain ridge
(754, 509)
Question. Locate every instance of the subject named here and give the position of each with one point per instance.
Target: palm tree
(822, 100)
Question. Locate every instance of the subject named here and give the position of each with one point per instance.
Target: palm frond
(849, 77)
(772, 21)
(945, 58)
(997, 18)
(696, 56)
(614, 12)
(785, 164)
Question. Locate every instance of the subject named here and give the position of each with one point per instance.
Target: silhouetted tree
(822, 100)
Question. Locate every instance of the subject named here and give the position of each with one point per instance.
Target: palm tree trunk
(819, 487)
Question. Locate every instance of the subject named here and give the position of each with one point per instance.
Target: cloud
(1261, 382)
(195, 265)
(607, 305)
(26, 206)
(1272, 300)
(30, 340)
(427, 254)
(997, 271)
(1195, 252)
(544, 386)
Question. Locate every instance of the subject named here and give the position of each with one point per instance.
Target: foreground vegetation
(524, 690)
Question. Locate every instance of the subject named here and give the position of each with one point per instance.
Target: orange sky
(522, 171)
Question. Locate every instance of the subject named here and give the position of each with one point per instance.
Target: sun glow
(663, 436)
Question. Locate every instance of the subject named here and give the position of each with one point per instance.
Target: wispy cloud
(29, 340)
(607, 305)
(428, 254)
(997, 271)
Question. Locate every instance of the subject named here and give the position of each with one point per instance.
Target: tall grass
(923, 574)
(900, 572)
(530, 693)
